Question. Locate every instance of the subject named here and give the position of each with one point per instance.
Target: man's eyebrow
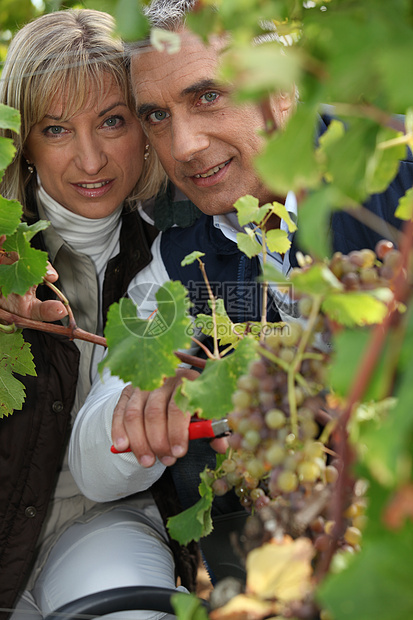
(199, 86)
(100, 114)
(144, 109)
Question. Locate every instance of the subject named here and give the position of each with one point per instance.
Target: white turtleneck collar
(97, 238)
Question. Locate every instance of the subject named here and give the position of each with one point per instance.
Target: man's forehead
(195, 59)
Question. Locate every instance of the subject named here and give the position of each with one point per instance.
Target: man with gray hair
(206, 144)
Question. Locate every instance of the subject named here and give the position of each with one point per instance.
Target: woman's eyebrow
(109, 108)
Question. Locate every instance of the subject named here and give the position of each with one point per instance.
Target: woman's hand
(28, 305)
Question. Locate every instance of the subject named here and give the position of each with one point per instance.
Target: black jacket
(33, 441)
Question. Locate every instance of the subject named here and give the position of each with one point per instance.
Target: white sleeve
(145, 284)
(101, 475)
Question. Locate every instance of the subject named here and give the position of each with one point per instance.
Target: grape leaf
(280, 210)
(281, 569)
(248, 210)
(15, 357)
(248, 244)
(404, 209)
(196, 521)
(384, 569)
(7, 151)
(354, 308)
(191, 258)
(9, 118)
(132, 25)
(10, 215)
(317, 280)
(188, 607)
(133, 342)
(210, 394)
(278, 241)
(279, 166)
(383, 164)
(31, 266)
(226, 330)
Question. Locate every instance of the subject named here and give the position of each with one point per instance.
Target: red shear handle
(201, 429)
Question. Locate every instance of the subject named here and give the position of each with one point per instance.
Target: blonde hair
(67, 51)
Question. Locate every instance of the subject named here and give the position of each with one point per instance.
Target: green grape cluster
(367, 269)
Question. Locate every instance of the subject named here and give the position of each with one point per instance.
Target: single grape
(275, 418)
(220, 487)
(287, 481)
(241, 399)
(382, 247)
(352, 535)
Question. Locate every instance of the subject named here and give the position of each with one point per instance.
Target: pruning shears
(199, 429)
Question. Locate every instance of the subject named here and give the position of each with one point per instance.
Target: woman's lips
(94, 189)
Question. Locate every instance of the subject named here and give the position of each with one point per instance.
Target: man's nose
(189, 137)
(90, 155)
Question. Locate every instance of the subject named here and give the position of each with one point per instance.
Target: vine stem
(295, 364)
(15, 321)
(363, 376)
(264, 300)
(213, 308)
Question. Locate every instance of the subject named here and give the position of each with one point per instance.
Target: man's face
(204, 141)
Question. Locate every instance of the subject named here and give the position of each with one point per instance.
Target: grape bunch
(276, 473)
(367, 269)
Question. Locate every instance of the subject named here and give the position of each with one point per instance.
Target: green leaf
(279, 166)
(209, 396)
(404, 209)
(10, 215)
(248, 244)
(228, 332)
(280, 210)
(354, 308)
(349, 346)
(315, 215)
(15, 357)
(9, 118)
(383, 165)
(388, 447)
(317, 280)
(7, 151)
(195, 522)
(142, 351)
(348, 157)
(188, 607)
(191, 258)
(31, 266)
(278, 241)
(248, 210)
(377, 584)
(132, 25)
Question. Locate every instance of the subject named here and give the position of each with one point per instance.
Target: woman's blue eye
(55, 130)
(158, 116)
(113, 121)
(210, 97)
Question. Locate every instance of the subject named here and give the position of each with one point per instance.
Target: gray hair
(168, 14)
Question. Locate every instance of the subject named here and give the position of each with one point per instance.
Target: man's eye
(210, 97)
(158, 116)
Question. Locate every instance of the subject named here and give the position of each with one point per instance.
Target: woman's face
(89, 163)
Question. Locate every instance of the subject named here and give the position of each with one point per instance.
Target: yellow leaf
(281, 571)
(243, 607)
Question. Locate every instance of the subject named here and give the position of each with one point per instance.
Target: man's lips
(211, 175)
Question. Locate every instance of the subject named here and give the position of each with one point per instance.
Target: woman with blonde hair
(83, 163)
